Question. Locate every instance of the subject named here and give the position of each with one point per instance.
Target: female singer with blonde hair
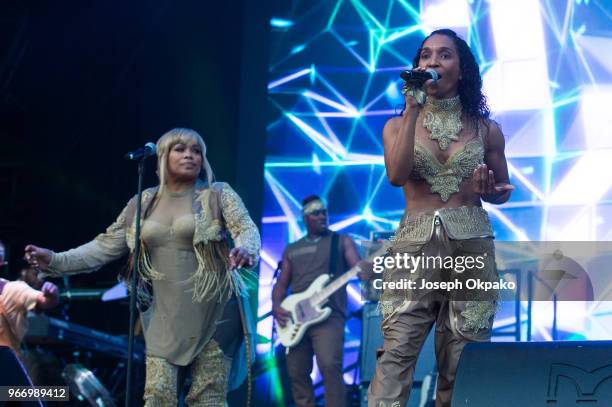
(189, 285)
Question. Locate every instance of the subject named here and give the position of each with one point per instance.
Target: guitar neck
(334, 286)
(327, 291)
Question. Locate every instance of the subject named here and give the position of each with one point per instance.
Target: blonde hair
(169, 140)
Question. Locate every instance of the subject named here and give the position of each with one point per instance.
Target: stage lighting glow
(343, 224)
(315, 164)
(392, 92)
(398, 34)
(266, 258)
(573, 190)
(281, 196)
(320, 140)
(593, 46)
(514, 173)
(281, 23)
(518, 85)
(289, 78)
(518, 80)
(445, 14)
(346, 109)
(596, 102)
(519, 234)
(298, 48)
(517, 42)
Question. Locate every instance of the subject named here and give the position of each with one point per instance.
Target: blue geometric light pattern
(547, 74)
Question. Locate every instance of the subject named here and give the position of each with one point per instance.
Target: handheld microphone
(143, 152)
(418, 78)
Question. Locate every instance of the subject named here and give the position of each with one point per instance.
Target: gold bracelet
(416, 93)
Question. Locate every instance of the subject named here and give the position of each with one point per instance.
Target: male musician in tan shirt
(304, 261)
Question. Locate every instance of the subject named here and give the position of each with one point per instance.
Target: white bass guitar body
(305, 307)
(304, 313)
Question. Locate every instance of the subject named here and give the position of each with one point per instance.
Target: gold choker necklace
(443, 120)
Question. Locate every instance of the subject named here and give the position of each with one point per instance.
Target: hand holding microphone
(415, 81)
(417, 77)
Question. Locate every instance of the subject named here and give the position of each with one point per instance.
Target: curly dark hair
(472, 99)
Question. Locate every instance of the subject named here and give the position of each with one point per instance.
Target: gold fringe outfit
(216, 210)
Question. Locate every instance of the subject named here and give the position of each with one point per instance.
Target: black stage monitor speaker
(535, 374)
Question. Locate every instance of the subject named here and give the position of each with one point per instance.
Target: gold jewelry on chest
(442, 117)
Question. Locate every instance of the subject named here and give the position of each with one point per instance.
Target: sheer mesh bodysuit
(176, 328)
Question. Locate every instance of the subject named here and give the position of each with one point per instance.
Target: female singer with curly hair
(448, 157)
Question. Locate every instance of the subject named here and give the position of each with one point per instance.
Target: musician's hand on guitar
(281, 315)
(239, 258)
(38, 257)
(366, 270)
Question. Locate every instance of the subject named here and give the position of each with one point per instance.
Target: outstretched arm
(106, 247)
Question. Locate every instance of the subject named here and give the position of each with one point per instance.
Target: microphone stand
(135, 271)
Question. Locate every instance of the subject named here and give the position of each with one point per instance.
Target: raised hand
(415, 97)
(51, 295)
(484, 183)
(38, 257)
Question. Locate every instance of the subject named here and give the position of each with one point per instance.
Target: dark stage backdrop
(82, 82)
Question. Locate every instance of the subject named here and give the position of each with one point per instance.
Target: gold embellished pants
(460, 317)
(404, 333)
(208, 386)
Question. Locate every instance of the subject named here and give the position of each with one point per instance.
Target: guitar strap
(333, 255)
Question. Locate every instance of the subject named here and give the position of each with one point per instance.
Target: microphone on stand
(418, 78)
(148, 150)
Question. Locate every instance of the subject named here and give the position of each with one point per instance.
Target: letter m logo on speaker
(586, 382)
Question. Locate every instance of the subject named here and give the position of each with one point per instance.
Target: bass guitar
(306, 307)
